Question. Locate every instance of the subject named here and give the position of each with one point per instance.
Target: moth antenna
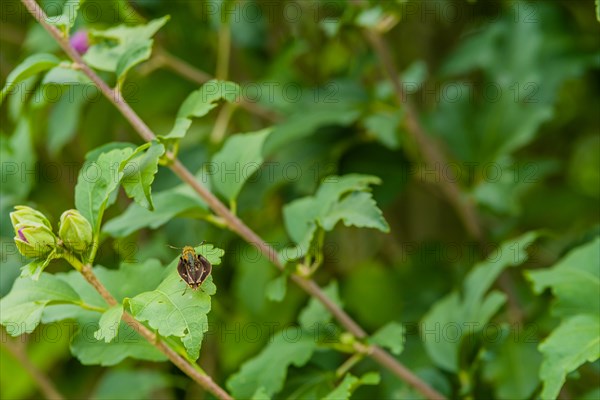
(173, 247)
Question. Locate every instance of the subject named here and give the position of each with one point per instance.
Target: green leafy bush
(391, 199)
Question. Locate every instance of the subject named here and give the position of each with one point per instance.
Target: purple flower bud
(80, 41)
(21, 236)
(34, 241)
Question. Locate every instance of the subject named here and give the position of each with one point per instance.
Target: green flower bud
(75, 231)
(28, 216)
(34, 241)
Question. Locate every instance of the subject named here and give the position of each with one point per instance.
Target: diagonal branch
(429, 149)
(231, 220)
(434, 157)
(193, 74)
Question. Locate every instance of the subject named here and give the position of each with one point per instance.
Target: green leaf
(66, 74)
(168, 204)
(575, 341)
(513, 369)
(261, 394)
(17, 153)
(333, 187)
(444, 313)
(93, 154)
(65, 21)
(315, 312)
(300, 217)
(385, 128)
(173, 309)
(130, 384)
(481, 278)
(251, 279)
(35, 268)
(63, 121)
(370, 17)
(60, 312)
(120, 48)
(459, 314)
(283, 350)
(96, 182)
(129, 34)
(350, 383)
(276, 289)
(391, 336)
(328, 206)
(127, 343)
(21, 310)
(179, 129)
(200, 102)
(109, 323)
(574, 280)
(138, 174)
(238, 159)
(135, 54)
(415, 73)
(29, 67)
(356, 209)
(210, 252)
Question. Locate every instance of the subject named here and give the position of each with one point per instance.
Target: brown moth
(193, 268)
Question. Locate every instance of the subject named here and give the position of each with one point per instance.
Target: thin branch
(429, 149)
(435, 158)
(181, 67)
(223, 50)
(198, 76)
(348, 364)
(190, 370)
(400, 370)
(232, 221)
(42, 381)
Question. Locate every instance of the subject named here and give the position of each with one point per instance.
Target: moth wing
(182, 270)
(206, 268)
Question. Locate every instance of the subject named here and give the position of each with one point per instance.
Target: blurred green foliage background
(508, 90)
